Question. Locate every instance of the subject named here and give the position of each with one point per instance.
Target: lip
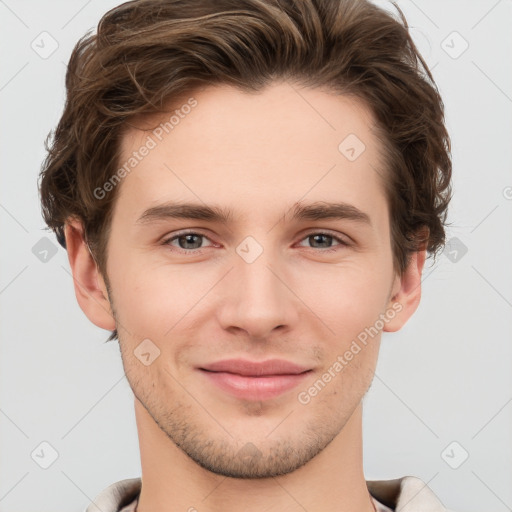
(256, 368)
(253, 380)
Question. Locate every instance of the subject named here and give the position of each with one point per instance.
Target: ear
(90, 289)
(406, 292)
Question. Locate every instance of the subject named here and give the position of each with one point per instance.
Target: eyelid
(167, 239)
(320, 231)
(339, 237)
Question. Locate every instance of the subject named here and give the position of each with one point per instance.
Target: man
(247, 192)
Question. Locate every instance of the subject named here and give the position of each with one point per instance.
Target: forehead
(224, 108)
(283, 144)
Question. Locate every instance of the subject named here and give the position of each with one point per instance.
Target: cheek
(353, 300)
(146, 306)
(155, 299)
(135, 296)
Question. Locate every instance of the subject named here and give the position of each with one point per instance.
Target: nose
(257, 298)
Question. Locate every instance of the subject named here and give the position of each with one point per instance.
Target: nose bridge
(257, 299)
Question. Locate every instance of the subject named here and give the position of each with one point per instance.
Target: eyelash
(167, 241)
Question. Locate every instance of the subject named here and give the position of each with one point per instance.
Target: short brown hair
(147, 52)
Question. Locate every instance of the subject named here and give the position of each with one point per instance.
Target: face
(235, 331)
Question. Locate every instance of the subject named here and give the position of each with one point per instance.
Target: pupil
(188, 239)
(320, 237)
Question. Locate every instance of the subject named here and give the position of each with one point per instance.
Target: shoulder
(116, 496)
(407, 494)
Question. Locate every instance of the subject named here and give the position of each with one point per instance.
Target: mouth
(252, 380)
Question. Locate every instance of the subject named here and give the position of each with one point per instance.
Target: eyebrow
(320, 210)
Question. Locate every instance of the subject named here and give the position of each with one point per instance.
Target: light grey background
(445, 378)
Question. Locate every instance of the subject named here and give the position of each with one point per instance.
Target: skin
(257, 154)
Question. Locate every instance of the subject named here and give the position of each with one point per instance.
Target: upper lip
(256, 368)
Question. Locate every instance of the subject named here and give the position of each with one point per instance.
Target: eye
(187, 242)
(323, 238)
(191, 242)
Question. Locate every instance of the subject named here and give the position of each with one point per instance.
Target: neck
(333, 481)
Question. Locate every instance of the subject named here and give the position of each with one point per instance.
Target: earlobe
(90, 289)
(406, 292)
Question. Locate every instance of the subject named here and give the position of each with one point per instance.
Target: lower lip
(255, 388)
